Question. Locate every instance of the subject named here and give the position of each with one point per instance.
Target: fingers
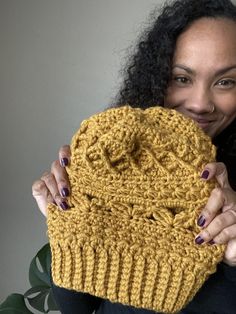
(64, 155)
(46, 191)
(220, 200)
(42, 195)
(53, 187)
(218, 217)
(217, 170)
(221, 230)
(60, 183)
(230, 253)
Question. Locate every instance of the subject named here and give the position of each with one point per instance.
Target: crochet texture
(136, 194)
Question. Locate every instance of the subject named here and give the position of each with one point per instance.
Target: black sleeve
(229, 272)
(217, 295)
(72, 302)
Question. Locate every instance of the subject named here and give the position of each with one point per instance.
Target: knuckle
(57, 197)
(219, 239)
(208, 212)
(49, 198)
(47, 177)
(225, 233)
(207, 234)
(232, 214)
(45, 174)
(221, 165)
(64, 148)
(55, 165)
(224, 236)
(217, 192)
(220, 222)
(37, 187)
(63, 182)
(221, 168)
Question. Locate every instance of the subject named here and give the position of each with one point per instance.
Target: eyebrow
(218, 72)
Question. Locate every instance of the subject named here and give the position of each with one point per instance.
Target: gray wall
(59, 63)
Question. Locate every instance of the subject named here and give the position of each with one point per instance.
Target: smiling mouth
(204, 124)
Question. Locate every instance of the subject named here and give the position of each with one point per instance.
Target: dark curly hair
(148, 71)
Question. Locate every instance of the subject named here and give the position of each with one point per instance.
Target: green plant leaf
(14, 304)
(51, 302)
(37, 296)
(41, 298)
(39, 272)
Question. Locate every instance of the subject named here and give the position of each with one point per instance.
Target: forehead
(208, 38)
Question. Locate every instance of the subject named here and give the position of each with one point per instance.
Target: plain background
(59, 63)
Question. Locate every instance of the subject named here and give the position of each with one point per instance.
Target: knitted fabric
(136, 194)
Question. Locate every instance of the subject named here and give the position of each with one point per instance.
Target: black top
(217, 296)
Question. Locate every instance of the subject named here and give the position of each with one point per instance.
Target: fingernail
(211, 242)
(205, 174)
(201, 221)
(65, 192)
(199, 240)
(64, 205)
(64, 162)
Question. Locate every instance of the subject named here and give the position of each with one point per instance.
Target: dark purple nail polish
(201, 221)
(64, 162)
(205, 174)
(64, 205)
(65, 192)
(199, 240)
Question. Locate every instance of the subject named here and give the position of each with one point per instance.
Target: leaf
(34, 290)
(39, 272)
(41, 298)
(51, 302)
(37, 296)
(14, 304)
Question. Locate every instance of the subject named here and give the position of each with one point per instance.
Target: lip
(203, 123)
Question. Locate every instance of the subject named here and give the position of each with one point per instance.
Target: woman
(186, 61)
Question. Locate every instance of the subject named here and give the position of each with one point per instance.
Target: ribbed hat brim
(140, 281)
(164, 281)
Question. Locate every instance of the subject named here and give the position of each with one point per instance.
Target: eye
(226, 83)
(181, 80)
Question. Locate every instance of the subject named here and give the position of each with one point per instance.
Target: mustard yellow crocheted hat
(136, 194)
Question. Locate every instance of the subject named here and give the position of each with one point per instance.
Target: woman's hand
(53, 187)
(218, 218)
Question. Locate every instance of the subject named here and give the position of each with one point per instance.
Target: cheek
(227, 104)
(174, 97)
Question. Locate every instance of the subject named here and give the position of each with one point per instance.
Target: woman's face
(204, 74)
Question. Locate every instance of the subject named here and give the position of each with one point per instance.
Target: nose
(200, 100)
